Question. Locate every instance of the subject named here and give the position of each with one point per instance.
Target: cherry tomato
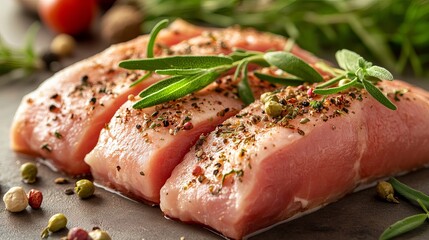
(68, 16)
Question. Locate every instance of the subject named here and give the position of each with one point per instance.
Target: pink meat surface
(138, 150)
(61, 120)
(254, 170)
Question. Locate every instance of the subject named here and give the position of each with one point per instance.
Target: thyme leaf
(362, 74)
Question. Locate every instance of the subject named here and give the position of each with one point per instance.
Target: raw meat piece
(61, 120)
(254, 170)
(138, 150)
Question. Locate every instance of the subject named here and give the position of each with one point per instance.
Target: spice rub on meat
(293, 152)
(61, 120)
(138, 149)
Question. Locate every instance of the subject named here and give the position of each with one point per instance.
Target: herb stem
(332, 81)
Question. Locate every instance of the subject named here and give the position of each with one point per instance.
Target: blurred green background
(392, 33)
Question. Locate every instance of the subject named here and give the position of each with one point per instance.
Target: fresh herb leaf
(174, 88)
(379, 72)
(176, 71)
(348, 60)
(25, 58)
(176, 62)
(293, 65)
(279, 80)
(409, 193)
(378, 95)
(335, 89)
(150, 47)
(153, 34)
(402, 226)
(363, 72)
(244, 91)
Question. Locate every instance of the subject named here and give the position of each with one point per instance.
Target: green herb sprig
(188, 74)
(357, 72)
(26, 58)
(412, 222)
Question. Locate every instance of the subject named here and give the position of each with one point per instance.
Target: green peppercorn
(84, 188)
(385, 191)
(55, 223)
(269, 96)
(29, 172)
(273, 109)
(98, 234)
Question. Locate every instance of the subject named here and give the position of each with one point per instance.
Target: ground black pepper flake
(93, 100)
(46, 147)
(54, 96)
(84, 80)
(69, 191)
(52, 108)
(188, 126)
(58, 135)
(301, 132)
(142, 173)
(118, 168)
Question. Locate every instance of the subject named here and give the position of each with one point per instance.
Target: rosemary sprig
(412, 222)
(357, 72)
(25, 58)
(188, 74)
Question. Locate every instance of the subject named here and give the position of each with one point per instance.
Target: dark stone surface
(357, 216)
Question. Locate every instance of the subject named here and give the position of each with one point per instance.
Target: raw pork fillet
(255, 170)
(138, 150)
(61, 120)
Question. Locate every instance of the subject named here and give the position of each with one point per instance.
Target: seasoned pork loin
(255, 170)
(138, 149)
(62, 119)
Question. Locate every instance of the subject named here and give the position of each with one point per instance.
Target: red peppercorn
(77, 233)
(188, 126)
(310, 92)
(197, 171)
(35, 198)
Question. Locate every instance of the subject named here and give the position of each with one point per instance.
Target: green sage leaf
(176, 62)
(409, 193)
(190, 71)
(335, 89)
(174, 88)
(378, 95)
(348, 60)
(279, 80)
(244, 91)
(402, 226)
(293, 65)
(153, 34)
(379, 72)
